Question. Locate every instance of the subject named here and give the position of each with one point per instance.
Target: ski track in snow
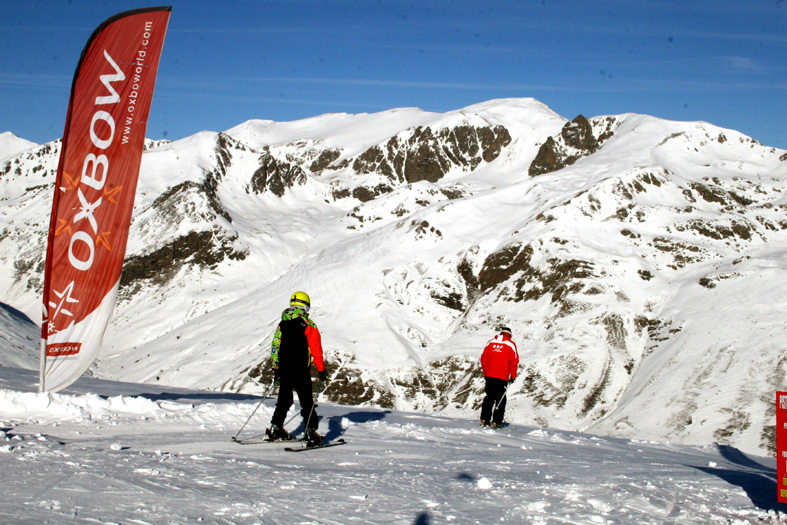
(105, 452)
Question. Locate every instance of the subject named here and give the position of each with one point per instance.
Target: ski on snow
(315, 447)
(262, 441)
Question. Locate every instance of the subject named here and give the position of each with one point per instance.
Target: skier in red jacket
(499, 363)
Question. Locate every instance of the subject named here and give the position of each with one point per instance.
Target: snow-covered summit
(11, 145)
(639, 261)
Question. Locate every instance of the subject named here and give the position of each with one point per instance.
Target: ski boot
(312, 438)
(277, 433)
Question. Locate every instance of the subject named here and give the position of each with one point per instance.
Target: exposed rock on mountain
(576, 140)
(276, 176)
(423, 154)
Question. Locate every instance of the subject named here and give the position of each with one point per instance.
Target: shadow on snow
(757, 480)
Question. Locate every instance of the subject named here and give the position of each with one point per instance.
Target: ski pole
(306, 424)
(497, 403)
(235, 437)
(319, 386)
(295, 414)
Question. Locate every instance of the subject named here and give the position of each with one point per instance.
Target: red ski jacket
(500, 358)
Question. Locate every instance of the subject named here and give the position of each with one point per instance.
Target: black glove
(276, 375)
(323, 376)
(511, 381)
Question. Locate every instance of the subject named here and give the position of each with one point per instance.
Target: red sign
(95, 187)
(781, 446)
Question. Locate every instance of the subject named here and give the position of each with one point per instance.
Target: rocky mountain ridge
(629, 254)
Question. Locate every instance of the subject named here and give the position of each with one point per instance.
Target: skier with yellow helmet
(296, 344)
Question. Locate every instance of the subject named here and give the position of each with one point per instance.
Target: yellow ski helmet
(301, 300)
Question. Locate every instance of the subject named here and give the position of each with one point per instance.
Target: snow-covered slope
(123, 453)
(18, 336)
(640, 263)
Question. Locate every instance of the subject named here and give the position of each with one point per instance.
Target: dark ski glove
(323, 376)
(511, 381)
(276, 375)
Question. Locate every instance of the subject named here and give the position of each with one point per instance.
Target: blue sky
(225, 62)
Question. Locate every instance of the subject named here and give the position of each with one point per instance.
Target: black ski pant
(494, 407)
(302, 384)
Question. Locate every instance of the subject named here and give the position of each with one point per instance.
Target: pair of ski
(291, 449)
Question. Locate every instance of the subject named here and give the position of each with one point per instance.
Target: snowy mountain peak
(11, 145)
(639, 261)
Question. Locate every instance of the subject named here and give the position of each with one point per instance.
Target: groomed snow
(109, 452)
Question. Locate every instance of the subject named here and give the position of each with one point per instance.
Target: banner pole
(42, 368)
